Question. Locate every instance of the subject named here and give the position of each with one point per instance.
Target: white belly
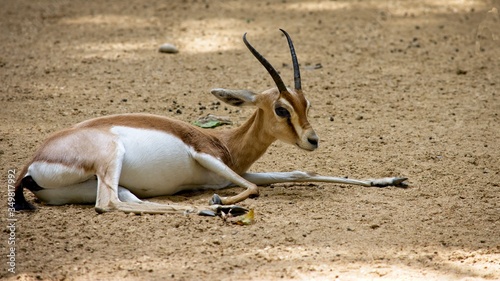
(157, 163)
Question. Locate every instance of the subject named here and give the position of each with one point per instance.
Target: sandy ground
(398, 89)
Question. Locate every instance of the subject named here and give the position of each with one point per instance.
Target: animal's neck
(248, 142)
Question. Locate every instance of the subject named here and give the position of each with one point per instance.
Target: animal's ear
(235, 97)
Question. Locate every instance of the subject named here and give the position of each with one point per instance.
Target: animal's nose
(313, 140)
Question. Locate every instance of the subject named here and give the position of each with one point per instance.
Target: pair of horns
(274, 74)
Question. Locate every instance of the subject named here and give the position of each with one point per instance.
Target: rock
(168, 48)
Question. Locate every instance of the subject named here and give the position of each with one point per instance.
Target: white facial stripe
(294, 118)
(286, 103)
(296, 125)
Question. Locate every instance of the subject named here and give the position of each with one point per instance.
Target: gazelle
(115, 160)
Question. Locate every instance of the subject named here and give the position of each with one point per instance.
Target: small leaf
(212, 121)
(207, 124)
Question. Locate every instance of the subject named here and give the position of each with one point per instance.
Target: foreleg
(217, 166)
(298, 176)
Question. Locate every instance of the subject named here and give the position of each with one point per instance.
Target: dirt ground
(398, 89)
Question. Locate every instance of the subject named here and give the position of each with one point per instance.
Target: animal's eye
(282, 112)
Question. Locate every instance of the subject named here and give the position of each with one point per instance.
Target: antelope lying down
(115, 160)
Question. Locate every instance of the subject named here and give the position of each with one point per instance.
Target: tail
(20, 203)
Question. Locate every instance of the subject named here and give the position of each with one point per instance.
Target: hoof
(254, 195)
(400, 182)
(234, 210)
(226, 209)
(101, 210)
(216, 200)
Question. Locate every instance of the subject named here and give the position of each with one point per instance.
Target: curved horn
(274, 74)
(296, 70)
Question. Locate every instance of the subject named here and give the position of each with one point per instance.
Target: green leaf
(207, 124)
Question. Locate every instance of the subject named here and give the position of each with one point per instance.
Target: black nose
(313, 140)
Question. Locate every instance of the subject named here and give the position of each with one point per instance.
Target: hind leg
(80, 193)
(58, 184)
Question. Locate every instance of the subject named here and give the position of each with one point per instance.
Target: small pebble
(168, 48)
